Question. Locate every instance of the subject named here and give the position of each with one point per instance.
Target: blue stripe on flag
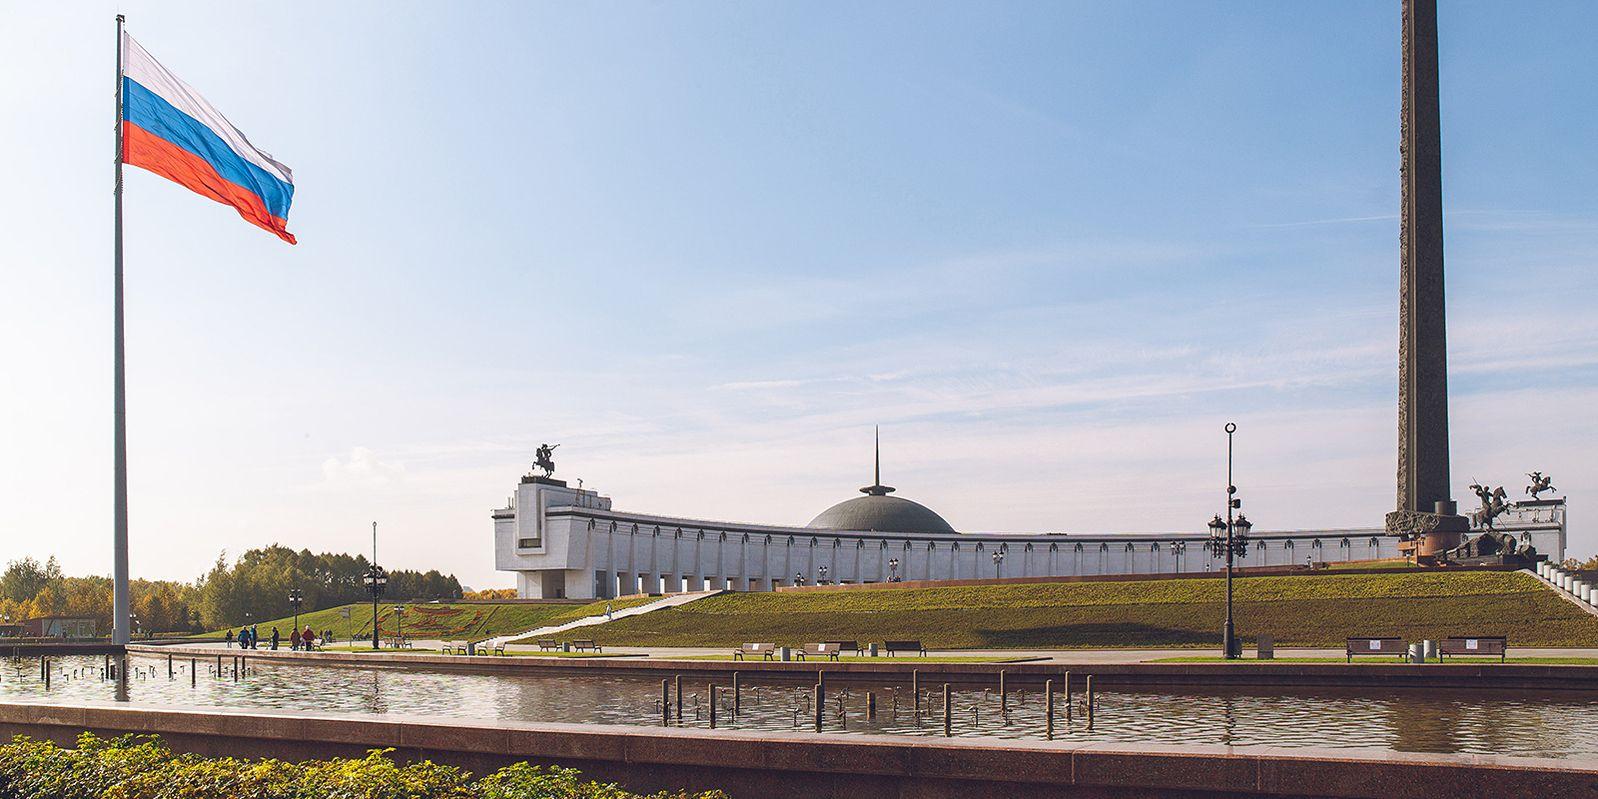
(148, 110)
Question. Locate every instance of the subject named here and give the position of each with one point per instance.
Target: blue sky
(1051, 248)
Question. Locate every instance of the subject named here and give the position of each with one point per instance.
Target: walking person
(276, 636)
(309, 638)
(229, 638)
(608, 616)
(255, 636)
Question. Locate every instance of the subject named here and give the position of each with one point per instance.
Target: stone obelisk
(1425, 517)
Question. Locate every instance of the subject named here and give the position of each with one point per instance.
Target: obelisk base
(1425, 536)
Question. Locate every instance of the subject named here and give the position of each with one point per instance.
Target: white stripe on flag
(141, 67)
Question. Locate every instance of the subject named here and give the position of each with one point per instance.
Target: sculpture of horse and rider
(1494, 501)
(1539, 484)
(544, 458)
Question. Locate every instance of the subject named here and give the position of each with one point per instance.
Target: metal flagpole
(121, 626)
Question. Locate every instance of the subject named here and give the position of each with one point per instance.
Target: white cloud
(361, 467)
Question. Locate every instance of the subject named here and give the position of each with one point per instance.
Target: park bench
(827, 650)
(455, 648)
(586, 645)
(499, 649)
(904, 646)
(765, 651)
(1481, 646)
(1375, 646)
(548, 645)
(845, 646)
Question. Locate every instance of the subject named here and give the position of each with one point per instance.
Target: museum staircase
(667, 601)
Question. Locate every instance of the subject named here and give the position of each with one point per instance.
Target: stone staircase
(1567, 585)
(668, 601)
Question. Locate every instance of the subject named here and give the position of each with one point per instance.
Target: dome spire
(877, 489)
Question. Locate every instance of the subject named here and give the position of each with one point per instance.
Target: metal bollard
(915, 687)
(665, 703)
(677, 686)
(947, 715)
(46, 662)
(1068, 696)
(710, 689)
(235, 669)
(194, 672)
(818, 705)
(737, 696)
(871, 704)
(1004, 696)
(1048, 709)
(1090, 701)
(169, 673)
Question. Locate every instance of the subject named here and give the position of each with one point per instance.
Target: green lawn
(1312, 610)
(443, 620)
(576, 612)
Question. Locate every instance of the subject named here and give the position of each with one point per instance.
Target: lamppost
(1178, 550)
(133, 621)
(399, 624)
(998, 558)
(296, 599)
(375, 579)
(1229, 539)
(798, 578)
(823, 580)
(893, 570)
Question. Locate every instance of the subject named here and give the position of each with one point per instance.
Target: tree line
(254, 586)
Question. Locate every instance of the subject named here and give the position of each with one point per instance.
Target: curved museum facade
(569, 542)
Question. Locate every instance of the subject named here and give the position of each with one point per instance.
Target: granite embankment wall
(760, 765)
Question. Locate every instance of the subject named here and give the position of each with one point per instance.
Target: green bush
(141, 767)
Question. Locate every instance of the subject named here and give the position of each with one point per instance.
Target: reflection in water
(1544, 724)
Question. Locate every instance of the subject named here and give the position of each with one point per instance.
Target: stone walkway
(670, 601)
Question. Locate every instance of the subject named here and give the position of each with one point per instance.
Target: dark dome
(881, 513)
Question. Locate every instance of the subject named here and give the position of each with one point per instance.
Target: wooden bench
(845, 646)
(453, 647)
(1376, 646)
(586, 645)
(904, 646)
(548, 645)
(1481, 646)
(827, 650)
(765, 651)
(499, 649)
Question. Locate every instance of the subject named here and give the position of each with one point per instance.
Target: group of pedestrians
(250, 638)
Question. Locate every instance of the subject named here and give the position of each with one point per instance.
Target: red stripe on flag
(143, 149)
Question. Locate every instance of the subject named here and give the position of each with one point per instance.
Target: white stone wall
(585, 550)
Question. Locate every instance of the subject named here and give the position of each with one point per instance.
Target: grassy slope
(1318, 610)
(429, 620)
(575, 612)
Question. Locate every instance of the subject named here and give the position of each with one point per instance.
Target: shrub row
(141, 767)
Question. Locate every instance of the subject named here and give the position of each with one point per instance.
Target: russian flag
(169, 129)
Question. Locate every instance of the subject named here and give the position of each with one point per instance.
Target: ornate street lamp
(296, 599)
(893, 570)
(375, 579)
(798, 578)
(998, 558)
(823, 580)
(1229, 539)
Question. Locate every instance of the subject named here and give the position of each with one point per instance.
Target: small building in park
(60, 627)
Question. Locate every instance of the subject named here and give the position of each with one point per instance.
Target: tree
(24, 579)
